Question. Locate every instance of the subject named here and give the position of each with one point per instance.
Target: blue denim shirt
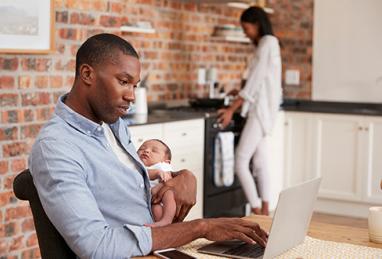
(96, 203)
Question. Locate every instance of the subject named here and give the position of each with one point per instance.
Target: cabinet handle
(366, 128)
(182, 160)
(360, 128)
(286, 123)
(140, 140)
(184, 134)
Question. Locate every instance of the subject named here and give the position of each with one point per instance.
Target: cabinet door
(140, 134)
(372, 131)
(186, 140)
(337, 156)
(298, 148)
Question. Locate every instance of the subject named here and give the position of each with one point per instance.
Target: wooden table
(324, 231)
(330, 232)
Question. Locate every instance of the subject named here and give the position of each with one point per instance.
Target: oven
(218, 201)
(221, 201)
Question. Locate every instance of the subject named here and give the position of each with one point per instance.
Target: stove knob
(217, 125)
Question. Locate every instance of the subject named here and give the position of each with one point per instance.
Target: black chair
(51, 243)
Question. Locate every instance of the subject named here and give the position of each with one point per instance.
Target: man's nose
(129, 95)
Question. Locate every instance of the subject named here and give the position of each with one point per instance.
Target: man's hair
(100, 48)
(167, 149)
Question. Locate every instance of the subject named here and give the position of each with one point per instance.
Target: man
(92, 184)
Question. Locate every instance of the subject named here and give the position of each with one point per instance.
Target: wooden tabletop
(330, 232)
(324, 231)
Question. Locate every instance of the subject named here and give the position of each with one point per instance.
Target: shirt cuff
(246, 96)
(143, 236)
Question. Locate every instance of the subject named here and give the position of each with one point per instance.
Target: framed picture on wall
(27, 26)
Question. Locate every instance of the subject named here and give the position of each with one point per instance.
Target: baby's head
(154, 151)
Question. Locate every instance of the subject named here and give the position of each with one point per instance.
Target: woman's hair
(257, 15)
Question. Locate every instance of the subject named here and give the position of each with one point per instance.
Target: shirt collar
(75, 119)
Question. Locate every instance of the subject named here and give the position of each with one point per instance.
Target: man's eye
(123, 82)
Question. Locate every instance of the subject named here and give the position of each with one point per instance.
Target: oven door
(220, 201)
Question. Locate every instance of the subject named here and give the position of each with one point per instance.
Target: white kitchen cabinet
(186, 141)
(297, 151)
(344, 150)
(372, 132)
(141, 133)
(338, 155)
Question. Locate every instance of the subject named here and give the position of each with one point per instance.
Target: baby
(156, 156)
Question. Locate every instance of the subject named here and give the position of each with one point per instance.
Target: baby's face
(152, 152)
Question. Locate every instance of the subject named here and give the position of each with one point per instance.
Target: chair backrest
(51, 243)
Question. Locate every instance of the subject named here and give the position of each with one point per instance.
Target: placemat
(311, 248)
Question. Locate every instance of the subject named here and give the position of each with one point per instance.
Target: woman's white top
(262, 92)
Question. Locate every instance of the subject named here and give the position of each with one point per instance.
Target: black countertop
(161, 116)
(369, 109)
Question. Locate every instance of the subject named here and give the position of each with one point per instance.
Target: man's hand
(184, 187)
(220, 229)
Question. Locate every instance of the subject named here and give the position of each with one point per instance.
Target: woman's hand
(183, 184)
(225, 117)
(233, 92)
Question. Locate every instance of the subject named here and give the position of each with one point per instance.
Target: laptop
(289, 226)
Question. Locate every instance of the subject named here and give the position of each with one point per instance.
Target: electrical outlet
(292, 77)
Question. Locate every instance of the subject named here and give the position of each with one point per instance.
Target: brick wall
(30, 84)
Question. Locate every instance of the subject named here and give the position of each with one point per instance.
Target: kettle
(140, 100)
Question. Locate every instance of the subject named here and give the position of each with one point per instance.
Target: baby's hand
(164, 176)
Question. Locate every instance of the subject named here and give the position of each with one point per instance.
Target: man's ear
(87, 74)
(167, 161)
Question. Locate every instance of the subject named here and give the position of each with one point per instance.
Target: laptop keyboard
(246, 250)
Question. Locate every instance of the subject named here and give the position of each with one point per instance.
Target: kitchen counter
(167, 115)
(161, 116)
(368, 109)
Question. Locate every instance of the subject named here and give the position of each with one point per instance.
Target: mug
(375, 224)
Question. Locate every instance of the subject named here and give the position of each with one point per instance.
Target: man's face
(113, 88)
(152, 152)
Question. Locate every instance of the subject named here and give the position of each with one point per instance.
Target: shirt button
(142, 185)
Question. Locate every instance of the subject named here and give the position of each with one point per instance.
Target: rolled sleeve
(143, 237)
(246, 96)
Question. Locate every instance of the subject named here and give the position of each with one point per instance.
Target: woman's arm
(258, 69)
(225, 115)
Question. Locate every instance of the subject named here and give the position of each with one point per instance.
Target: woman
(260, 100)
